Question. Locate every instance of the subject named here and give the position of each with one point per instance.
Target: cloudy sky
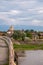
(21, 12)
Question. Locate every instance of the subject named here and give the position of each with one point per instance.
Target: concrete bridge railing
(7, 51)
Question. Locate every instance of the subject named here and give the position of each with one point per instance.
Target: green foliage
(15, 36)
(19, 35)
(32, 30)
(23, 36)
(29, 35)
(26, 31)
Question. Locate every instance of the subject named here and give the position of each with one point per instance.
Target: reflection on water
(34, 57)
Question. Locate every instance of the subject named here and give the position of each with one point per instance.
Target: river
(33, 57)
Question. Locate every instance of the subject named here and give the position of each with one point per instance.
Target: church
(10, 31)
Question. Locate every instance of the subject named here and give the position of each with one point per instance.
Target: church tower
(10, 31)
(11, 28)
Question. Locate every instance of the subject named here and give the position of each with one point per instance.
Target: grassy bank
(28, 47)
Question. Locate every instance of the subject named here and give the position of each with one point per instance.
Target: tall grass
(28, 46)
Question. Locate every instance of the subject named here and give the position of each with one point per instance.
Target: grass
(5, 64)
(28, 47)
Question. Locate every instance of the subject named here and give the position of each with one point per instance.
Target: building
(2, 33)
(10, 31)
(35, 36)
(41, 35)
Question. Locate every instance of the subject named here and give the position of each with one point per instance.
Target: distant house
(2, 33)
(35, 36)
(41, 35)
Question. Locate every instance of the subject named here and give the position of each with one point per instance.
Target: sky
(21, 12)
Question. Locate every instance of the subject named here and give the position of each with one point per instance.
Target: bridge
(6, 51)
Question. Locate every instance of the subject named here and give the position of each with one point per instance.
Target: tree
(31, 30)
(39, 35)
(29, 35)
(23, 36)
(19, 35)
(26, 31)
(15, 36)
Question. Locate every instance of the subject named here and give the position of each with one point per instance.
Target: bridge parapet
(7, 50)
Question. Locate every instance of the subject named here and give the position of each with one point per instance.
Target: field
(28, 46)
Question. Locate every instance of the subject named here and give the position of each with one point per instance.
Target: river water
(33, 57)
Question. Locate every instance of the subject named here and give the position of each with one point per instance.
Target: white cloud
(25, 18)
(37, 23)
(14, 12)
(40, 11)
(37, 10)
(3, 17)
(6, 20)
(11, 12)
(12, 19)
(26, 4)
(21, 12)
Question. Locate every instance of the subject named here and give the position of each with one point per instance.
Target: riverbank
(28, 47)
